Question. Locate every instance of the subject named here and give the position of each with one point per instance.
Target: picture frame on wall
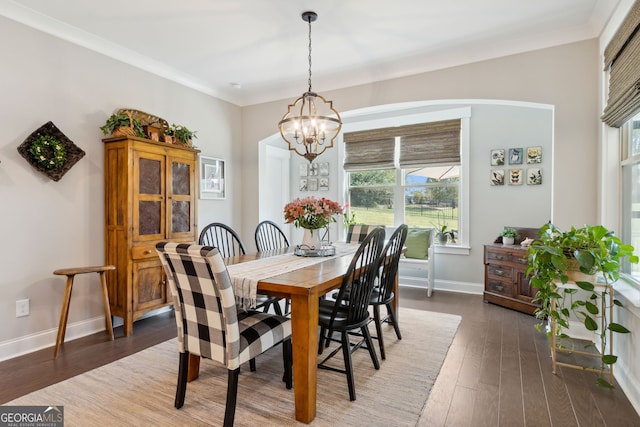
(303, 184)
(212, 178)
(497, 157)
(304, 169)
(515, 156)
(534, 155)
(324, 169)
(323, 183)
(534, 176)
(313, 184)
(497, 177)
(515, 176)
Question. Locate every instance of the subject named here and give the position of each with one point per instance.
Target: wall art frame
(213, 174)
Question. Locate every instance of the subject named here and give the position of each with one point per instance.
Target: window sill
(629, 288)
(458, 249)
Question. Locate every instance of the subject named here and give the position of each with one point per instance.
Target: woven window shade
(622, 59)
(369, 149)
(434, 143)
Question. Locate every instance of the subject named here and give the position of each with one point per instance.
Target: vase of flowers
(311, 214)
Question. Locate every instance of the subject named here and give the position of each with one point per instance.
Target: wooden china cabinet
(150, 196)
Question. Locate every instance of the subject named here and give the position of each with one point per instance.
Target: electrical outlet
(22, 308)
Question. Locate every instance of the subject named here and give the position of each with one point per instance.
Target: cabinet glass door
(181, 195)
(149, 220)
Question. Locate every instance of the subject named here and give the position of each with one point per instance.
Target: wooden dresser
(505, 281)
(150, 196)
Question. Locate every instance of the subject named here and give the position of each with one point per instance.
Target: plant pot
(575, 275)
(508, 240)
(442, 240)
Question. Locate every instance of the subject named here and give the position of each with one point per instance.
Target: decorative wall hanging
(534, 155)
(534, 176)
(515, 156)
(497, 177)
(497, 157)
(515, 176)
(50, 151)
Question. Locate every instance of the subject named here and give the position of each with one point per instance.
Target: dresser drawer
(499, 287)
(500, 271)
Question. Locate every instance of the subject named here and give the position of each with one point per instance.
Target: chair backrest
(269, 236)
(222, 237)
(388, 263)
(205, 305)
(356, 233)
(358, 281)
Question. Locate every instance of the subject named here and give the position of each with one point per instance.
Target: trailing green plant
(182, 133)
(596, 251)
(509, 232)
(116, 121)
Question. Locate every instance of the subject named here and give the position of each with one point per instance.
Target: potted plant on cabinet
(558, 257)
(509, 235)
(122, 124)
(181, 134)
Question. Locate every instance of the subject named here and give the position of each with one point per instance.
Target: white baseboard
(33, 342)
(443, 285)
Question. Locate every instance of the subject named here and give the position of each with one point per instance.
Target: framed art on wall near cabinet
(497, 157)
(212, 178)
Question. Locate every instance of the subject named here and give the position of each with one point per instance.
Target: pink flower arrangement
(311, 213)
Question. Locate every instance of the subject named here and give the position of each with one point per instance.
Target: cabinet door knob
(147, 252)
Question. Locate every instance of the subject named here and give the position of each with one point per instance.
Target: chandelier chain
(309, 54)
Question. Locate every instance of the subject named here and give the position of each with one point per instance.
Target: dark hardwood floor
(497, 371)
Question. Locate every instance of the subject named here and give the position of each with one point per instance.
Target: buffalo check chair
(208, 322)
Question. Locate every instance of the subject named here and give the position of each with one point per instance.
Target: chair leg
(288, 363)
(348, 366)
(232, 393)
(183, 370)
(376, 319)
(394, 320)
(286, 306)
(252, 365)
(321, 339)
(276, 307)
(372, 350)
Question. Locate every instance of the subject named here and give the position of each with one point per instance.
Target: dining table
(303, 286)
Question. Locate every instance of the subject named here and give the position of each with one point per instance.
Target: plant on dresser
(150, 196)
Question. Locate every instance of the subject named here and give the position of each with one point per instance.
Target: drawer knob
(499, 272)
(147, 252)
(499, 257)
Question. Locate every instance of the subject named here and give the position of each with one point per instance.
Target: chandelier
(311, 123)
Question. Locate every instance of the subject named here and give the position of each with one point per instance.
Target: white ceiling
(262, 44)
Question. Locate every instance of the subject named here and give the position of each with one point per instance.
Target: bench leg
(64, 314)
(107, 309)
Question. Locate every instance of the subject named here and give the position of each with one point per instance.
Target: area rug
(139, 390)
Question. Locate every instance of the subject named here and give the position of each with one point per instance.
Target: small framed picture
(313, 169)
(323, 184)
(534, 176)
(324, 169)
(212, 178)
(313, 184)
(515, 156)
(534, 155)
(515, 177)
(304, 169)
(497, 157)
(497, 177)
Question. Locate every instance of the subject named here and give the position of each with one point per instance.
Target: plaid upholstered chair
(350, 311)
(382, 294)
(208, 322)
(356, 233)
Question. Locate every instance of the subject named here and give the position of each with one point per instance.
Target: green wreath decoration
(48, 152)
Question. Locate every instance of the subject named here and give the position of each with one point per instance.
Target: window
(630, 141)
(418, 181)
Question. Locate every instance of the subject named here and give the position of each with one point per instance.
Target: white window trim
(400, 117)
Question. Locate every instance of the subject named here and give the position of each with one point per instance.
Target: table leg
(304, 321)
(64, 314)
